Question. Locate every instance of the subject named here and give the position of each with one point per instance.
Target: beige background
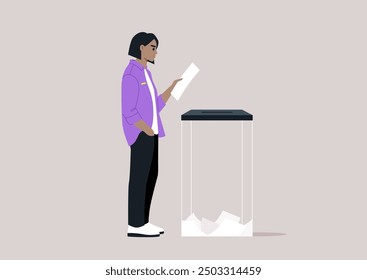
(298, 66)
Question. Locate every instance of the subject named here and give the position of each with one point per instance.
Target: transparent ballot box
(216, 173)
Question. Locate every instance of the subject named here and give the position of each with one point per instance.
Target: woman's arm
(130, 94)
(129, 97)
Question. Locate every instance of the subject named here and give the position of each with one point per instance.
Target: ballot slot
(217, 112)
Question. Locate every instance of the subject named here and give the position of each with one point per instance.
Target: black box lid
(216, 115)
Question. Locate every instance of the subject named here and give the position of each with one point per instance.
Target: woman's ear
(141, 47)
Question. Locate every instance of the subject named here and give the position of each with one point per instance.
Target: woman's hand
(148, 131)
(167, 94)
(144, 127)
(175, 82)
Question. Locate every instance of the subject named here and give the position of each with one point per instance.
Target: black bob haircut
(139, 39)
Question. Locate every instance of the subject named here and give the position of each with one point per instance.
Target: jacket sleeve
(129, 99)
(160, 103)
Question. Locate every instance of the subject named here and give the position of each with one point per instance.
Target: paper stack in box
(227, 224)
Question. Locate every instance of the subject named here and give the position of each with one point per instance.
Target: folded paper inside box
(226, 224)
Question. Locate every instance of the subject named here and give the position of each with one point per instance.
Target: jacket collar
(137, 64)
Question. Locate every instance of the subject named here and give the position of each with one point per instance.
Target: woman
(142, 125)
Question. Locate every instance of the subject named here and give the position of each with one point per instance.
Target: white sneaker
(160, 230)
(146, 230)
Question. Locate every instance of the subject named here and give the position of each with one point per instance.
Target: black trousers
(143, 176)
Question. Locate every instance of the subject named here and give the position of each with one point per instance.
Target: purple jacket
(137, 101)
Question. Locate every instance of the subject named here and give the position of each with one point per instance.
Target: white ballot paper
(187, 77)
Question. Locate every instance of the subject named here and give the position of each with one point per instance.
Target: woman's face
(149, 51)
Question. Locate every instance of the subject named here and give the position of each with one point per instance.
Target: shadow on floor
(265, 234)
